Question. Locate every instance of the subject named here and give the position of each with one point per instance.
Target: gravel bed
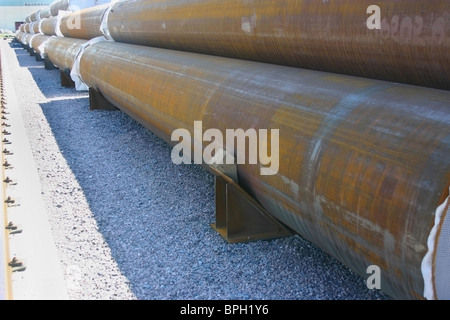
(129, 224)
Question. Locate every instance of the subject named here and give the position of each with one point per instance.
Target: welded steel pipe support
(363, 164)
(412, 45)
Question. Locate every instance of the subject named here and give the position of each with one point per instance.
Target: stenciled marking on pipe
(235, 142)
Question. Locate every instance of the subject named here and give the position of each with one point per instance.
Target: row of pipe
(363, 114)
(48, 20)
(411, 45)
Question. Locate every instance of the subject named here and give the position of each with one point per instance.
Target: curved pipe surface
(83, 24)
(363, 164)
(411, 47)
(45, 13)
(26, 39)
(37, 41)
(62, 51)
(34, 16)
(58, 5)
(35, 27)
(48, 26)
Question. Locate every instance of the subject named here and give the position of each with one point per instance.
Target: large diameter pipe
(19, 36)
(85, 23)
(37, 41)
(412, 45)
(62, 51)
(49, 25)
(22, 38)
(363, 164)
(26, 39)
(34, 16)
(35, 27)
(45, 13)
(58, 5)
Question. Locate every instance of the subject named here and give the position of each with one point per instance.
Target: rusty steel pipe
(35, 27)
(26, 39)
(363, 164)
(58, 5)
(412, 47)
(45, 13)
(48, 26)
(62, 51)
(37, 41)
(83, 24)
(23, 38)
(19, 35)
(34, 16)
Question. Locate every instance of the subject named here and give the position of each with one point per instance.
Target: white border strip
(427, 262)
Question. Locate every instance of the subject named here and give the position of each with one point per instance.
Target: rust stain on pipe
(363, 164)
(411, 47)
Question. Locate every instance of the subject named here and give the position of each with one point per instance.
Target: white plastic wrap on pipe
(438, 255)
(61, 14)
(75, 74)
(42, 47)
(104, 25)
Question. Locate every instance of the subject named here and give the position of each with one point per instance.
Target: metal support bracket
(49, 65)
(66, 80)
(240, 218)
(98, 102)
